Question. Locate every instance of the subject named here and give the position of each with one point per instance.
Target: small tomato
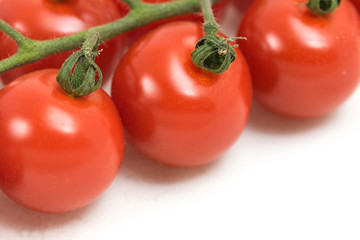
(58, 153)
(302, 65)
(174, 112)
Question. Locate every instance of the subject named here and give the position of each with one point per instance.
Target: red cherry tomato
(302, 65)
(58, 153)
(173, 112)
(47, 19)
(219, 9)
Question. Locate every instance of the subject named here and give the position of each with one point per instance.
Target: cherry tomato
(58, 153)
(47, 19)
(302, 65)
(219, 9)
(172, 111)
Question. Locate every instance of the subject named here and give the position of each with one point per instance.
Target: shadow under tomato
(21, 219)
(137, 167)
(262, 120)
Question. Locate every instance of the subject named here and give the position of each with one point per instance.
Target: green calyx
(323, 7)
(77, 76)
(214, 53)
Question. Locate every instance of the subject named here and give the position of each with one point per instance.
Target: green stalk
(212, 53)
(211, 27)
(323, 7)
(77, 76)
(30, 51)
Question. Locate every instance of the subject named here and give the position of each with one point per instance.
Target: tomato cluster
(59, 153)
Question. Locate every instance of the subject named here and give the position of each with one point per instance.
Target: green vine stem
(212, 53)
(211, 27)
(77, 76)
(141, 13)
(323, 7)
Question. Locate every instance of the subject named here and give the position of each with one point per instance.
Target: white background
(283, 179)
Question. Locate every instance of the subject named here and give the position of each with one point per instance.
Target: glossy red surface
(173, 112)
(302, 65)
(58, 153)
(47, 19)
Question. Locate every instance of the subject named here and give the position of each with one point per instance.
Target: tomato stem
(13, 33)
(323, 7)
(212, 53)
(77, 76)
(30, 51)
(211, 27)
(133, 4)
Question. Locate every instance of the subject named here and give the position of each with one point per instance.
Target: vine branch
(211, 27)
(141, 13)
(12, 32)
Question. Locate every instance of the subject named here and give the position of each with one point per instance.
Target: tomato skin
(302, 65)
(356, 4)
(173, 112)
(47, 19)
(58, 153)
(219, 10)
(242, 5)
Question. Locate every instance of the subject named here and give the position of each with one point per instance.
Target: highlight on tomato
(58, 153)
(48, 19)
(303, 65)
(174, 112)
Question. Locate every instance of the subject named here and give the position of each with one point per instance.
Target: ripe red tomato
(47, 19)
(58, 153)
(219, 9)
(174, 112)
(302, 65)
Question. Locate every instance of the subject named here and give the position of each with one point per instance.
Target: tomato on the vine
(218, 8)
(302, 65)
(174, 112)
(47, 19)
(58, 153)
